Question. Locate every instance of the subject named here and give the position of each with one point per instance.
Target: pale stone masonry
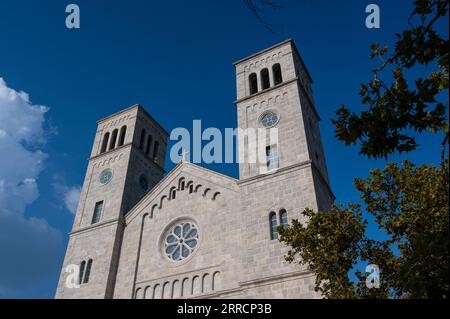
(195, 233)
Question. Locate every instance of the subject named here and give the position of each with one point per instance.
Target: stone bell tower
(126, 162)
(274, 91)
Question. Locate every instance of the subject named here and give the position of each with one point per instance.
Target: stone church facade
(195, 233)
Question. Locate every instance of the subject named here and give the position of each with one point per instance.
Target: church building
(143, 233)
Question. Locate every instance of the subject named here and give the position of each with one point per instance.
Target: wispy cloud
(69, 194)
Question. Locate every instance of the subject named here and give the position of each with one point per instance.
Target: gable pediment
(185, 177)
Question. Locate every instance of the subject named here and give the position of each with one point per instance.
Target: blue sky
(173, 57)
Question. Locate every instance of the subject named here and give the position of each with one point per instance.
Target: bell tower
(274, 90)
(126, 162)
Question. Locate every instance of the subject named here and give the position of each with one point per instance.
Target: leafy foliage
(398, 110)
(411, 205)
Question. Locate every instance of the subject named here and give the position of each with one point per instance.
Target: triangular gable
(203, 180)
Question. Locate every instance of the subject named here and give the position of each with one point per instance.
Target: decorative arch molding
(164, 197)
(148, 293)
(271, 101)
(189, 187)
(197, 283)
(116, 122)
(216, 194)
(266, 61)
(197, 188)
(152, 213)
(207, 190)
(138, 294)
(181, 184)
(108, 160)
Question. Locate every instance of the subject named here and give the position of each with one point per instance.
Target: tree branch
(256, 11)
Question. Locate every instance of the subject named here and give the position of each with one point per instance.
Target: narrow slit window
(265, 80)
(81, 273)
(142, 140)
(123, 132)
(88, 272)
(253, 83)
(149, 145)
(112, 144)
(97, 212)
(284, 218)
(272, 157)
(105, 142)
(155, 151)
(273, 226)
(277, 77)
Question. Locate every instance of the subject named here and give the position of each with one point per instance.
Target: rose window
(181, 241)
(269, 119)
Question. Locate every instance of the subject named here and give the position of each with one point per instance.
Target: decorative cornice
(266, 90)
(109, 152)
(280, 277)
(263, 177)
(139, 107)
(263, 51)
(96, 226)
(294, 47)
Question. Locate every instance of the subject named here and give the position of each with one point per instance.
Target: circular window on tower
(106, 176)
(143, 181)
(180, 241)
(269, 119)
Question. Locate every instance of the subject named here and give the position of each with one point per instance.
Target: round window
(180, 241)
(105, 176)
(143, 181)
(269, 119)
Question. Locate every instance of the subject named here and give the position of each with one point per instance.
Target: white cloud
(71, 199)
(69, 194)
(22, 133)
(29, 247)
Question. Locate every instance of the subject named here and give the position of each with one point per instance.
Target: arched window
(284, 218)
(191, 189)
(253, 83)
(155, 151)
(173, 194)
(277, 77)
(112, 144)
(181, 184)
(273, 226)
(265, 81)
(97, 212)
(149, 145)
(272, 157)
(88, 271)
(123, 132)
(142, 140)
(105, 142)
(80, 275)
